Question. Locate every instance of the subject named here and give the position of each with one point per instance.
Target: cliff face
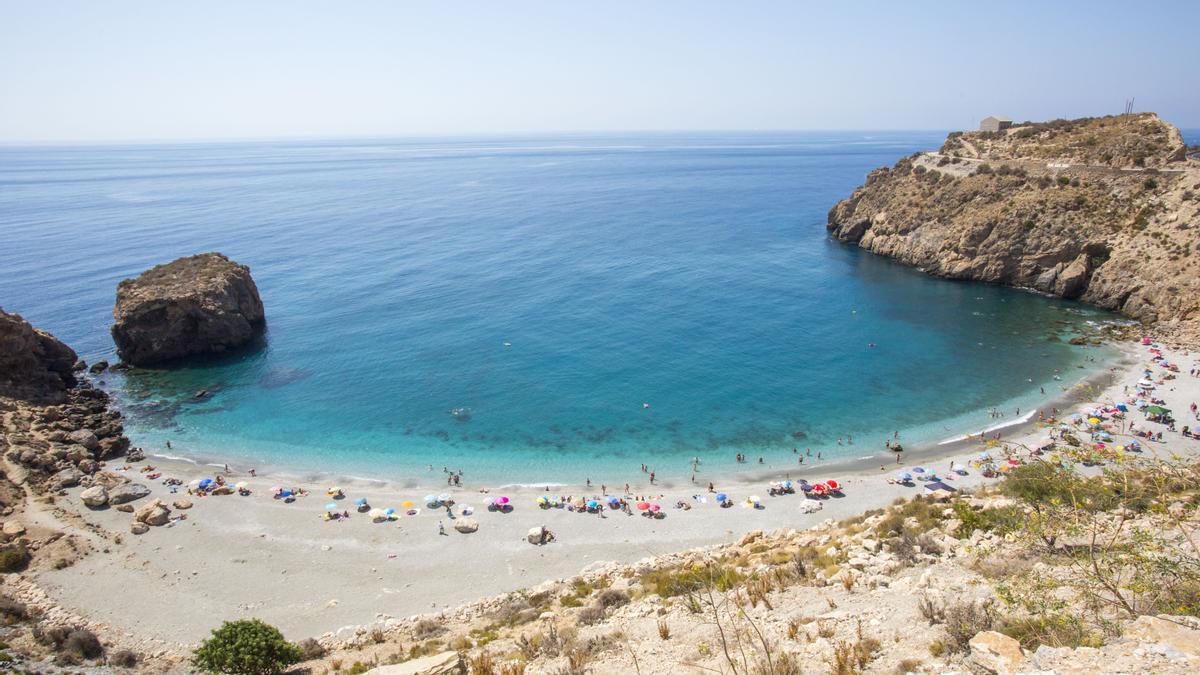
(34, 365)
(197, 305)
(1103, 210)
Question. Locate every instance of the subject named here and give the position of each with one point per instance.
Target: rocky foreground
(202, 304)
(1099, 209)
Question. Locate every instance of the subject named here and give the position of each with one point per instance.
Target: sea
(543, 309)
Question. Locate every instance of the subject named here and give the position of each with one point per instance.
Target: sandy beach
(235, 557)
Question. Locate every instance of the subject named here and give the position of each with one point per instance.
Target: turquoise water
(545, 288)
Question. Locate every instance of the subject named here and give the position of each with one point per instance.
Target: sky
(149, 70)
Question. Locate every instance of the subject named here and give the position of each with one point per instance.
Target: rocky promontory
(34, 365)
(1099, 209)
(202, 304)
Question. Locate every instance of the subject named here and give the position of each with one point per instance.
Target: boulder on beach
(154, 513)
(466, 525)
(182, 504)
(202, 304)
(68, 477)
(34, 365)
(138, 528)
(127, 493)
(94, 497)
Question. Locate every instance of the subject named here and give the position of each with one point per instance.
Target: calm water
(545, 288)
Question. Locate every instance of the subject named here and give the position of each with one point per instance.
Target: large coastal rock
(202, 304)
(1099, 209)
(34, 365)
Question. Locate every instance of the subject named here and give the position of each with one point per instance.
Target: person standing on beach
(652, 478)
(441, 528)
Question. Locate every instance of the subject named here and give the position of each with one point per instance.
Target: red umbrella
(642, 506)
(655, 508)
(833, 485)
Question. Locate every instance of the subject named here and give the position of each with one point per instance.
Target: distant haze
(170, 70)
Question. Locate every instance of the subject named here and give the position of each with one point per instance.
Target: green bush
(13, 558)
(247, 647)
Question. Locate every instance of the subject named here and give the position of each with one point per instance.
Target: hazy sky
(111, 70)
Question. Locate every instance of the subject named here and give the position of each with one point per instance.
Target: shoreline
(742, 474)
(241, 557)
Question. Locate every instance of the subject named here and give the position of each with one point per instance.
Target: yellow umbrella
(407, 505)
(1093, 420)
(241, 485)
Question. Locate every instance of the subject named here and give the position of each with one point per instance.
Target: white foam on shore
(174, 458)
(518, 486)
(995, 427)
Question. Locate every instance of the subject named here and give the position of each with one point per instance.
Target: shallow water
(546, 289)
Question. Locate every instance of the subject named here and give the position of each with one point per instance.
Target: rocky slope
(1100, 209)
(201, 304)
(34, 365)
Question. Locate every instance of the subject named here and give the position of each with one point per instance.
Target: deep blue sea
(547, 289)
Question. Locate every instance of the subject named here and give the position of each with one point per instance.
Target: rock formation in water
(202, 304)
(34, 365)
(1100, 209)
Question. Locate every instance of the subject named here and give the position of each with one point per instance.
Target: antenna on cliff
(1129, 106)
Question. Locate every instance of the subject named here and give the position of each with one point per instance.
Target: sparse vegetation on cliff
(1098, 209)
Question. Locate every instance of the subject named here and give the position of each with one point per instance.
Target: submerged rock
(203, 304)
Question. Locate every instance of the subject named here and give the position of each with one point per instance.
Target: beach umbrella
(276, 489)
(467, 510)
(753, 499)
(331, 506)
(1157, 410)
(407, 505)
(334, 490)
(377, 514)
(1093, 421)
(918, 469)
(389, 512)
(592, 503)
(542, 501)
(445, 499)
(807, 487)
(240, 485)
(501, 501)
(787, 484)
(833, 485)
(642, 506)
(904, 477)
(431, 500)
(655, 508)
(361, 501)
(721, 496)
(205, 483)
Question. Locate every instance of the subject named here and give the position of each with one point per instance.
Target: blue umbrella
(787, 484)
(904, 477)
(389, 512)
(806, 487)
(918, 469)
(206, 482)
(722, 497)
(592, 503)
(361, 501)
(431, 500)
(331, 506)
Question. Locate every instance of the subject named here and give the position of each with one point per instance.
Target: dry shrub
(908, 666)
(123, 658)
(84, 644)
(13, 611)
(664, 631)
(964, 620)
(310, 649)
(611, 597)
(427, 628)
(590, 616)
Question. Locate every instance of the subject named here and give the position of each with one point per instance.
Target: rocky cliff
(1100, 209)
(201, 304)
(34, 365)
